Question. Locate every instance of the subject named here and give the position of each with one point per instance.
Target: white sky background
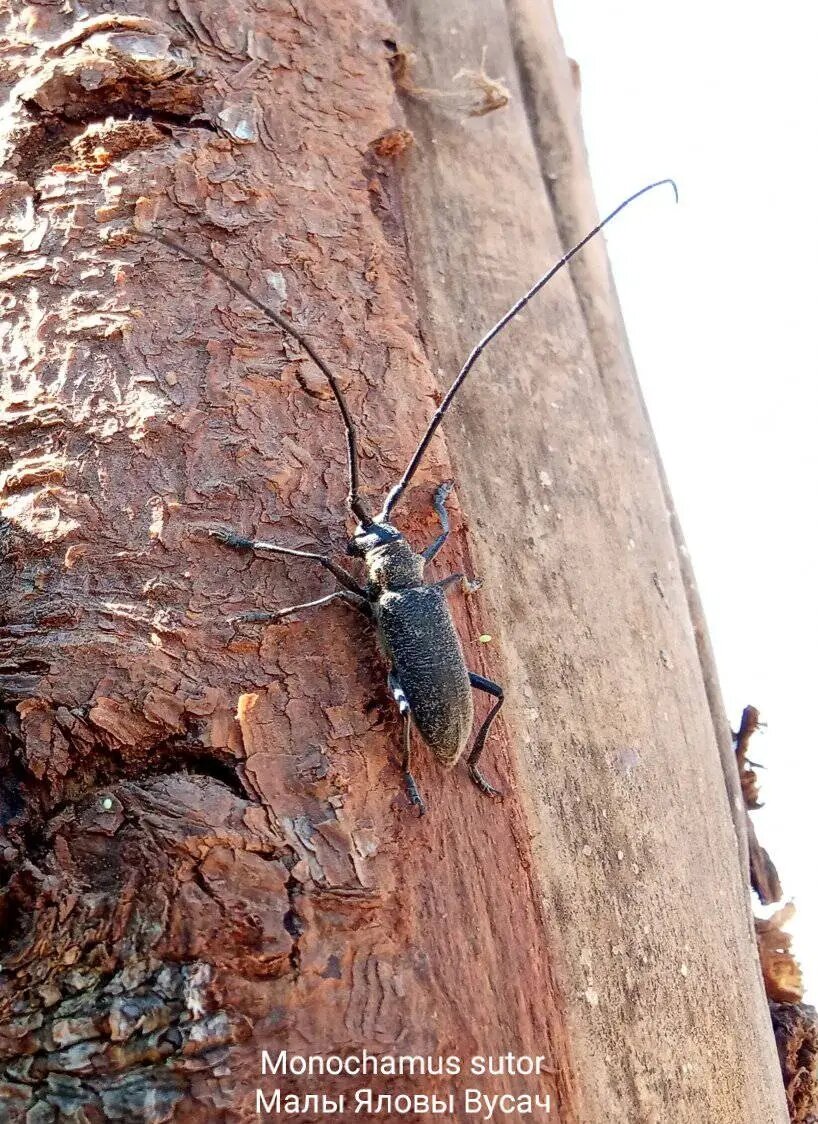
(721, 303)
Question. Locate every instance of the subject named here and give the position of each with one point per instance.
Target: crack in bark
(120, 77)
(55, 138)
(31, 814)
(294, 923)
(119, 110)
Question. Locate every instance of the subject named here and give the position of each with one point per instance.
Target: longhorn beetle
(427, 676)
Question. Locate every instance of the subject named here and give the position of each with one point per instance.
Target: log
(207, 852)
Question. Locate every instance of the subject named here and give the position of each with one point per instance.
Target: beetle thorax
(394, 565)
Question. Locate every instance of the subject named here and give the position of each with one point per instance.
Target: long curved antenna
(399, 488)
(355, 502)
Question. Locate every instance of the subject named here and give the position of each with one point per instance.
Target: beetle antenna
(355, 502)
(399, 488)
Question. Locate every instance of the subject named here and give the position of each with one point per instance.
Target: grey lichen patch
(108, 62)
(277, 282)
(118, 1050)
(239, 122)
(151, 56)
(115, 21)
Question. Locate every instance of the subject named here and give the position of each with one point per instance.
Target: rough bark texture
(207, 848)
(796, 1036)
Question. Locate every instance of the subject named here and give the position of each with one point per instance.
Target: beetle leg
(345, 594)
(411, 785)
(230, 538)
(403, 706)
(468, 585)
(440, 507)
(481, 684)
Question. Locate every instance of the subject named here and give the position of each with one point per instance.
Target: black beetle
(428, 676)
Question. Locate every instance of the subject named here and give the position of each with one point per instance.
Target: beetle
(428, 676)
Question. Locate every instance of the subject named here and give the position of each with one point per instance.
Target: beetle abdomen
(419, 638)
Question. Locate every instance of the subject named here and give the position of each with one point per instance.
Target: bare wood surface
(640, 864)
(549, 86)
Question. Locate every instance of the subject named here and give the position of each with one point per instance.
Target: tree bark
(207, 850)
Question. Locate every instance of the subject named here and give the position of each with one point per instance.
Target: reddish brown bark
(208, 850)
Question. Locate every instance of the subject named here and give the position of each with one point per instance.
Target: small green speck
(485, 638)
(107, 803)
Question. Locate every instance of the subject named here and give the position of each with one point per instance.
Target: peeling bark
(796, 1035)
(206, 848)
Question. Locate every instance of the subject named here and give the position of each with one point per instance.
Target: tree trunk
(208, 852)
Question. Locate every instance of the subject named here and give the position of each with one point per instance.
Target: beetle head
(374, 534)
